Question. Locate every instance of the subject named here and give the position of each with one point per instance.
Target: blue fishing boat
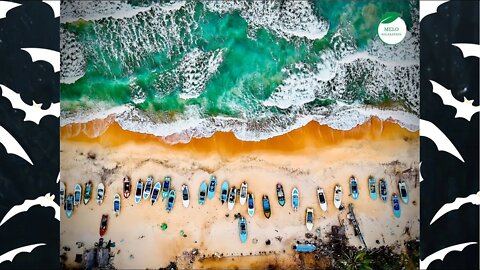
(138, 191)
(304, 247)
(69, 206)
(166, 187)
(155, 192)
(224, 192)
(148, 187)
(77, 195)
(87, 194)
(382, 186)
(280, 194)
(266, 206)
(353, 187)
(396, 205)
(402, 187)
(295, 199)
(211, 187)
(372, 187)
(242, 226)
(251, 204)
(202, 193)
(116, 204)
(170, 201)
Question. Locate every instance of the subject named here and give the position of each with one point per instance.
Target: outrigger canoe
(127, 187)
(138, 191)
(62, 193)
(251, 204)
(382, 186)
(202, 193)
(185, 196)
(322, 199)
(100, 193)
(232, 197)
(211, 187)
(372, 187)
(166, 187)
(170, 201)
(148, 187)
(266, 206)
(242, 226)
(353, 187)
(224, 192)
(280, 194)
(243, 193)
(402, 187)
(155, 192)
(103, 225)
(77, 195)
(309, 218)
(116, 204)
(87, 193)
(69, 205)
(295, 199)
(337, 197)
(396, 205)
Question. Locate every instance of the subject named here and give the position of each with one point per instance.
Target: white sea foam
(72, 58)
(72, 10)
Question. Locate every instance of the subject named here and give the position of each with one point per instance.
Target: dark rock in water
(91, 155)
(308, 235)
(267, 242)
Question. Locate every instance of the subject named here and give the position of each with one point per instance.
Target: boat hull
(212, 187)
(100, 193)
(224, 192)
(116, 204)
(201, 199)
(372, 188)
(155, 192)
(243, 194)
(295, 199)
(77, 196)
(138, 192)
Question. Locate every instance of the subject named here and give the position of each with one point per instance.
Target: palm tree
(355, 260)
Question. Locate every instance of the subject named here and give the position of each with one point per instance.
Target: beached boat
(304, 247)
(170, 201)
(309, 218)
(266, 206)
(322, 199)
(166, 187)
(382, 186)
(127, 187)
(280, 194)
(402, 187)
(251, 204)
(77, 195)
(87, 193)
(156, 192)
(211, 187)
(148, 187)
(353, 187)
(224, 192)
(243, 193)
(138, 191)
(337, 198)
(185, 196)
(116, 204)
(295, 199)
(232, 197)
(62, 193)
(242, 226)
(396, 205)
(100, 193)
(372, 187)
(69, 205)
(103, 225)
(202, 193)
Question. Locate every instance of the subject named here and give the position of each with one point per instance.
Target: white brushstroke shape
(473, 199)
(50, 56)
(429, 7)
(33, 113)
(45, 201)
(6, 6)
(55, 5)
(420, 171)
(58, 177)
(440, 255)
(429, 130)
(10, 255)
(12, 146)
(468, 49)
(465, 109)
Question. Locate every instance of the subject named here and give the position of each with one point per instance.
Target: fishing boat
(243, 193)
(295, 199)
(232, 197)
(116, 204)
(251, 204)
(138, 191)
(396, 205)
(211, 187)
(166, 187)
(353, 187)
(185, 196)
(155, 192)
(170, 201)
(126, 187)
(337, 198)
(103, 225)
(62, 193)
(372, 187)
(148, 187)
(77, 195)
(224, 192)
(309, 218)
(100, 193)
(402, 187)
(382, 186)
(304, 247)
(87, 193)
(242, 226)
(202, 193)
(280, 194)
(69, 206)
(266, 206)
(322, 199)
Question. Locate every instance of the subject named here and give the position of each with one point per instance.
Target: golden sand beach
(309, 157)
